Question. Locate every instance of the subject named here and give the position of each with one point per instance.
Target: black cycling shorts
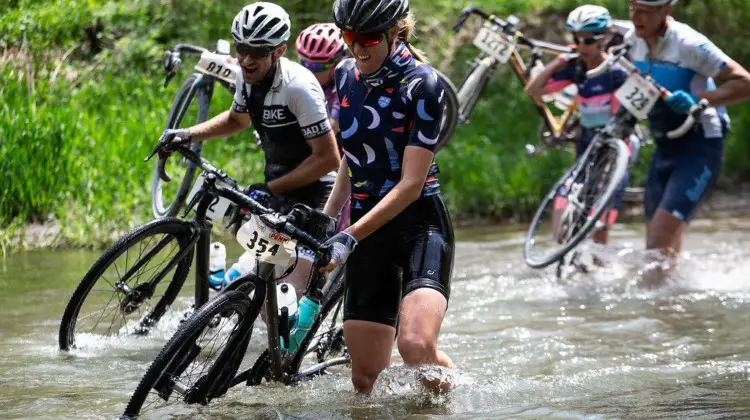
(412, 251)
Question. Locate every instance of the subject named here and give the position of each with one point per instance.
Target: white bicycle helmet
(656, 2)
(261, 24)
(588, 18)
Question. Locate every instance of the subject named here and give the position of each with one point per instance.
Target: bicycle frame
(521, 69)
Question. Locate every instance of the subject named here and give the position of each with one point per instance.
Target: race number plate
(494, 43)
(218, 207)
(265, 243)
(637, 95)
(221, 66)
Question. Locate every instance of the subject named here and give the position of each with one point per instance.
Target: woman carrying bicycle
(590, 27)
(320, 48)
(399, 274)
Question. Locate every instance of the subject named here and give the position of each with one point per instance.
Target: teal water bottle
(308, 310)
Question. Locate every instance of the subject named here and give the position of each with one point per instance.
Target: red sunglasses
(365, 40)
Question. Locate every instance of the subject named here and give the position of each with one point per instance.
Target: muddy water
(595, 345)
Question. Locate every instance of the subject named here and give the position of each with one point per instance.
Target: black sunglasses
(588, 40)
(253, 51)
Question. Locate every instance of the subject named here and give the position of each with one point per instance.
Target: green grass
(73, 133)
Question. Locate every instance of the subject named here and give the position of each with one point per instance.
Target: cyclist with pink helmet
(320, 47)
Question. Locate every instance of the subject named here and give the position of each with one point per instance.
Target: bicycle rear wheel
(127, 280)
(588, 186)
(450, 113)
(168, 198)
(186, 365)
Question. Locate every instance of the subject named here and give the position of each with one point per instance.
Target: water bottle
(244, 265)
(308, 310)
(217, 264)
(287, 296)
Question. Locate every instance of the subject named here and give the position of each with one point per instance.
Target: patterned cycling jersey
(381, 114)
(684, 60)
(596, 95)
(332, 100)
(287, 110)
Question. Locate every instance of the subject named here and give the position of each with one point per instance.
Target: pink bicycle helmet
(321, 42)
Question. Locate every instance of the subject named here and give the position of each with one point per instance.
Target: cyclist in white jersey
(286, 106)
(682, 170)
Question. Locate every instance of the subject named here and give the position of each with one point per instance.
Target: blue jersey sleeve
(428, 98)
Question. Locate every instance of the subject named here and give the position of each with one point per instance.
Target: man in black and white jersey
(286, 106)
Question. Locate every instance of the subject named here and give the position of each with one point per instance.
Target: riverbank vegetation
(82, 103)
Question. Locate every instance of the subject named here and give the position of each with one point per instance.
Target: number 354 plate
(637, 95)
(265, 243)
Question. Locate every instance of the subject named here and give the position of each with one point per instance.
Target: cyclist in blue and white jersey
(683, 169)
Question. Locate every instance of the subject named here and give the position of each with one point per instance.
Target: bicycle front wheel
(186, 365)
(168, 198)
(569, 212)
(124, 292)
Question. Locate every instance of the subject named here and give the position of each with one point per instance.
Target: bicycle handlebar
(509, 29)
(618, 57)
(194, 49)
(282, 223)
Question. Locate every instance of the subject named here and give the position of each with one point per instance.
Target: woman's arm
(342, 189)
(417, 161)
(537, 85)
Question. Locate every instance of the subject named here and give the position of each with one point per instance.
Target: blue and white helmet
(588, 18)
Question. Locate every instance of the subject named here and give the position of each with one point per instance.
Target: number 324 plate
(265, 243)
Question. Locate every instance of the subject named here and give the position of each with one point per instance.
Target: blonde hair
(405, 31)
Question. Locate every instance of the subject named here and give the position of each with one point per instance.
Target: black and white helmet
(261, 24)
(368, 16)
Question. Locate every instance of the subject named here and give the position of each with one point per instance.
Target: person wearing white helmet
(684, 169)
(590, 26)
(286, 106)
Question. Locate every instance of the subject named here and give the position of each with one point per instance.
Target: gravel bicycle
(588, 186)
(204, 359)
(499, 42)
(133, 284)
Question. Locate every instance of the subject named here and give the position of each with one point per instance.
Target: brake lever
(162, 170)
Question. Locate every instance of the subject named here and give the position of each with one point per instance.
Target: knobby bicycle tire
(179, 229)
(601, 204)
(450, 113)
(177, 112)
(179, 349)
